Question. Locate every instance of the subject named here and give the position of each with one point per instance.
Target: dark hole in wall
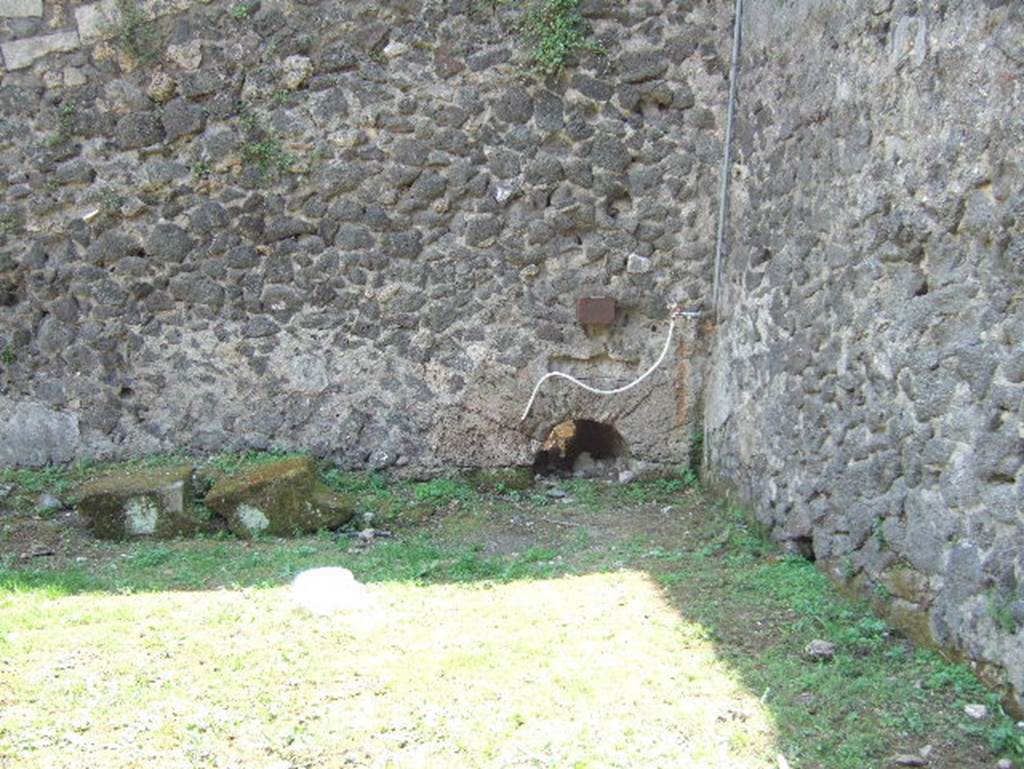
(619, 203)
(802, 546)
(569, 439)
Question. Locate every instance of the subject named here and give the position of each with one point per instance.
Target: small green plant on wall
(242, 11)
(134, 33)
(555, 30)
(66, 117)
(202, 169)
(261, 149)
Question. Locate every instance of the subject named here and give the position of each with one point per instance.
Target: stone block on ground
(281, 498)
(151, 502)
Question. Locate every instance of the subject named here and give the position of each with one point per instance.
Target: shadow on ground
(679, 567)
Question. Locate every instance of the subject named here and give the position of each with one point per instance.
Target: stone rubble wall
(353, 227)
(867, 390)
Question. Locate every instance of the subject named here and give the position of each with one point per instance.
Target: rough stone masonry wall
(353, 227)
(866, 395)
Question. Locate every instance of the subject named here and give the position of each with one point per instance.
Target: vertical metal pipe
(723, 200)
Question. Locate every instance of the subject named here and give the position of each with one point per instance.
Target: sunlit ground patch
(589, 671)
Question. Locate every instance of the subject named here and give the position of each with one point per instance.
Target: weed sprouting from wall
(553, 31)
(262, 150)
(135, 33)
(556, 30)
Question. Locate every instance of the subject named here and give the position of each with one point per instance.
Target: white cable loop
(617, 390)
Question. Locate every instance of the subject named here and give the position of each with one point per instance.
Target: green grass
(660, 489)
(392, 502)
(879, 693)
(583, 671)
(600, 630)
(233, 463)
(61, 480)
(443, 491)
(222, 563)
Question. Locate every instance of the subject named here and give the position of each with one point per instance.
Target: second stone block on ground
(282, 498)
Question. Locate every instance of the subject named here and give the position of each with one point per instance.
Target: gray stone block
(143, 502)
(21, 8)
(19, 54)
(33, 435)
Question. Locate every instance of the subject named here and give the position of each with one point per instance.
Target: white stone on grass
(976, 711)
(329, 589)
(820, 650)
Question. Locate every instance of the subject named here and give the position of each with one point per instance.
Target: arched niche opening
(579, 444)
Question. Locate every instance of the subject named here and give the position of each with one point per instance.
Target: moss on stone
(281, 498)
(142, 502)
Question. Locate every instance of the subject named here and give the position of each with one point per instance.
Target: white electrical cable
(617, 390)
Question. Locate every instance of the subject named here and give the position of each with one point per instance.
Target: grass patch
(569, 673)
(878, 697)
(635, 625)
(235, 463)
